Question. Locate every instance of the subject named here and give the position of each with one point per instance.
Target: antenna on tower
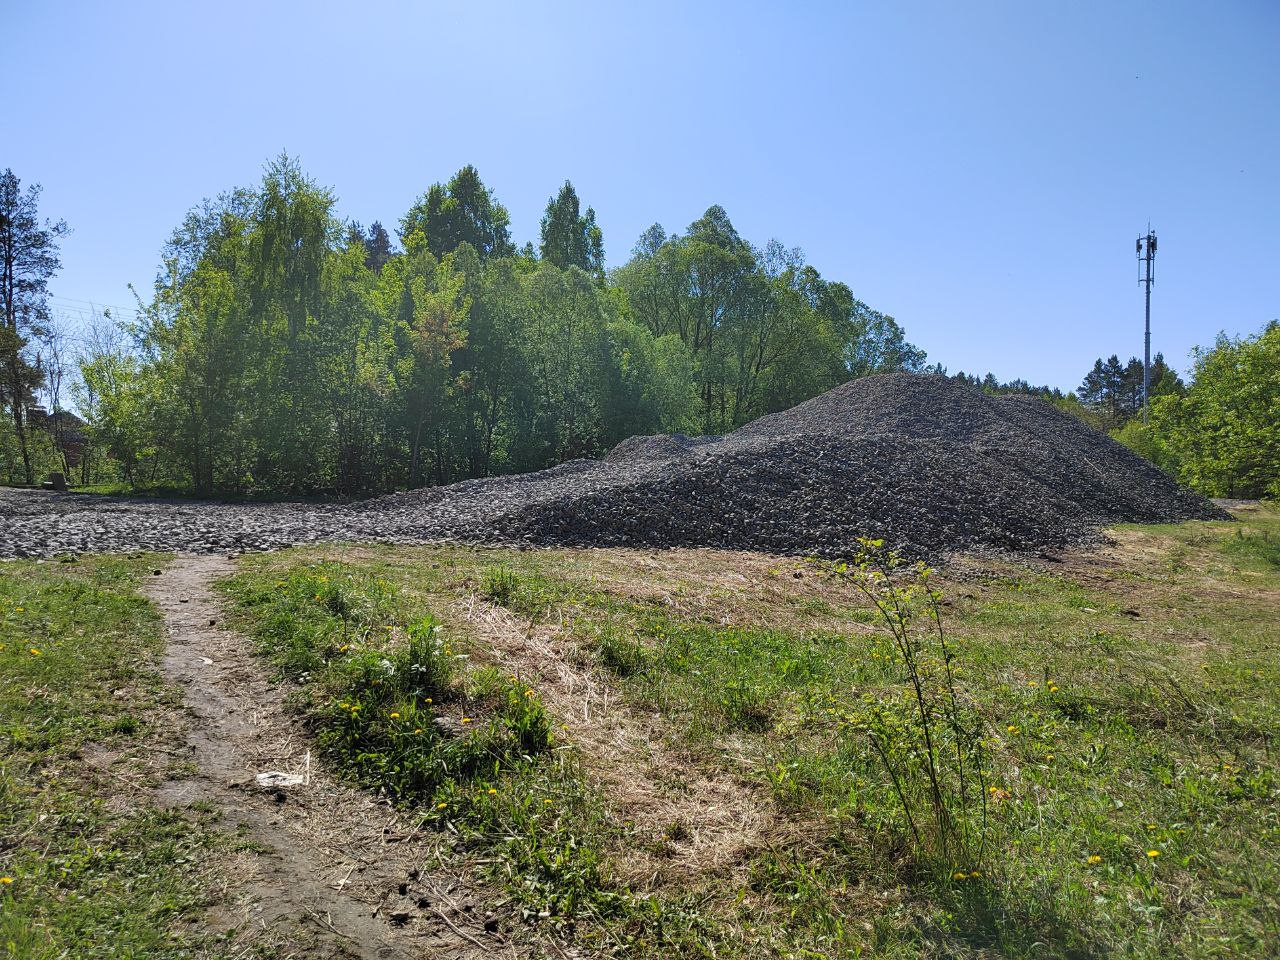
(1146, 251)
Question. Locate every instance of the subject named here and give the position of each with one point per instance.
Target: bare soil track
(326, 870)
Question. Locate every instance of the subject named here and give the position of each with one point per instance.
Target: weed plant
(928, 740)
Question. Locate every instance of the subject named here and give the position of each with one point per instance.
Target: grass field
(697, 783)
(667, 754)
(86, 871)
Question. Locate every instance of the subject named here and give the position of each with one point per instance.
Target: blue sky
(979, 170)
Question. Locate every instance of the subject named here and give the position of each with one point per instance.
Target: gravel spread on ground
(929, 465)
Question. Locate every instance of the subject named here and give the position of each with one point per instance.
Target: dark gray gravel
(929, 465)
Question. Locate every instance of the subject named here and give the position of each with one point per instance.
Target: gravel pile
(930, 465)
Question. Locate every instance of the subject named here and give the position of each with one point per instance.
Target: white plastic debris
(276, 780)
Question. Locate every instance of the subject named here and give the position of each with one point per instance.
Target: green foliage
(569, 238)
(1223, 435)
(29, 257)
(461, 211)
(285, 353)
(1147, 441)
(763, 330)
(929, 740)
(41, 454)
(1113, 389)
(501, 585)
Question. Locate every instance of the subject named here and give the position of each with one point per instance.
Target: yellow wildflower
(418, 730)
(34, 652)
(1153, 854)
(1012, 728)
(6, 880)
(441, 806)
(493, 790)
(466, 719)
(959, 875)
(395, 715)
(1094, 858)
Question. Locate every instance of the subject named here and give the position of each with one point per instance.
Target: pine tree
(377, 245)
(28, 259)
(461, 211)
(568, 238)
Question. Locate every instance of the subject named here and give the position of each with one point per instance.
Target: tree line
(1221, 432)
(284, 351)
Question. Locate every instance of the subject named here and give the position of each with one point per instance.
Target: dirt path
(326, 870)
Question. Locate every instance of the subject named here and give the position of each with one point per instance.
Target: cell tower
(1146, 250)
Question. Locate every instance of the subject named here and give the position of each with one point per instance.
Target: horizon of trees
(283, 351)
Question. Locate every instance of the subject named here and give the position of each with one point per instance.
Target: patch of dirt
(325, 869)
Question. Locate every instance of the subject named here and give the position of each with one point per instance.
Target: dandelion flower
(975, 874)
(1094, 858)
(1012, 728)
(466, 719)
(1033, 683)
(6, 880)
(395, 715)
(34, 652)
(428, 699)
(547, 800)
(959, 875)
(493, 790)
(1053, 688)
(441, 806)
(1152, 854)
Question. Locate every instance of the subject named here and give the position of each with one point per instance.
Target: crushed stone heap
(928, 464)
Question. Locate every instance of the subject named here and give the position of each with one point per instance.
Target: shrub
(929, 741)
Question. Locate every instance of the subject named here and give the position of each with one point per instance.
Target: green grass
(88, 877)
(1131, 709)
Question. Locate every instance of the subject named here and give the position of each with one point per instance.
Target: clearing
(632, 753)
